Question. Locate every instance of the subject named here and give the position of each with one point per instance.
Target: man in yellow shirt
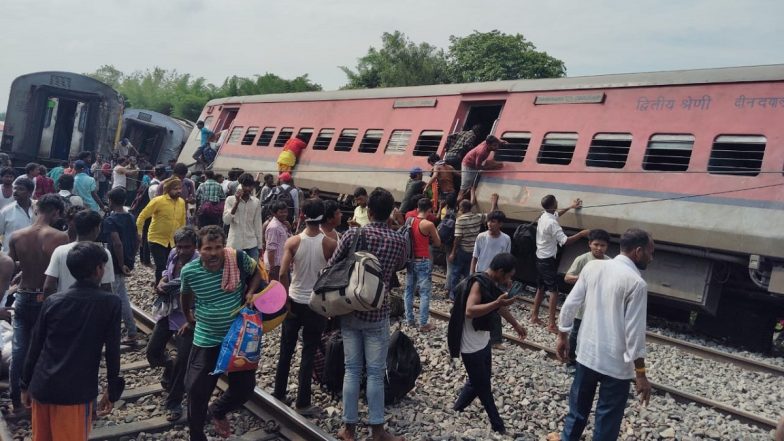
(168, 215)
(360, 218)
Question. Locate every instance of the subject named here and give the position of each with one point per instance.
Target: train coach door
(484, 113)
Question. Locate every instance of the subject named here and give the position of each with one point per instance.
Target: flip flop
(174, 415)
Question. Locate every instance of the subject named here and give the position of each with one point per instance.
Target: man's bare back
(32, 247)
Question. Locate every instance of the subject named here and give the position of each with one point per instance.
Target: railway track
(677, 394)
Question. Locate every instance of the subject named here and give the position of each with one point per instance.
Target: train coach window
(346, 140)
(737, 155)
(428, 142)
(370, 141)
(609, 150)
(250, 135)
(668, 153)
(234, 137)
(266, 136)
(557, 148)
(283, 136)
(305, 134)
(514, 150)
(398, 142)
(323, 139)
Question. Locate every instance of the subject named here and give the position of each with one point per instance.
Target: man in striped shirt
(216, 309)
(468, 225)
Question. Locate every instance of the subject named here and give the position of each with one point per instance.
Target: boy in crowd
(119, 232)
(66, 183)
(275, 236)
(469, 332)
(333, 217)
(488, 245)
(360, 218)
(60, 377)
(598, 240)
(304, 255)
(420, 267)
(550, 235)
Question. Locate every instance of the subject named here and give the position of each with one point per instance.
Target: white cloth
(12, 218)
(6, 201)
(58, 268)
(72, 198)
(472, 339)
(245, 224)
(119, 179)
(487, 247)
(152, 189)
(549, 235)
(307, 264)
(612, 332)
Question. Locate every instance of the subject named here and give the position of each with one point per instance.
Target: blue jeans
(26, 311)
(364, 344)
(613, 394)
(252, 252)
(461, 267)
(418, 273)
(118, 288)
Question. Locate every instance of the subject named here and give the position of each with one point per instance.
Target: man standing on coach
(366, 334)
(214, 284)
(611, 346)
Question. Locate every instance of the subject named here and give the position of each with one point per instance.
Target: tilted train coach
(695, 157)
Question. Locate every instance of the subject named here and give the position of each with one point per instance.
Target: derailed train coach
(53, 116)
(155, 135)
(695, 157)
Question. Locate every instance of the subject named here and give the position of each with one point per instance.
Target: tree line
(479, 56)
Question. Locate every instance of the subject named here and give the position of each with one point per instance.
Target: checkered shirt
(211, 191)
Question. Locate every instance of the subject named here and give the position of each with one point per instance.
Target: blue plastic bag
(241, 348)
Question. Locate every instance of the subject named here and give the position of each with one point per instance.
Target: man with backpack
(420, 265)
(285, 192)
(66, 182)
(366, 333)
(459, 144)
(305, 255)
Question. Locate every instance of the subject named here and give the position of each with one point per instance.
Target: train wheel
(741, 324)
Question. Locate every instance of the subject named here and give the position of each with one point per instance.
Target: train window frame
(248, 137)
(283, 137)
(82, 125)
(557, 148)
(306, 131)
(398, 141)
(370, 144)
(672, 142)
(516, 150)
(235, 135)
(600, 152)
(318, 144)
(50, 111)
(265, 137)
(424, 145)
(346, 134)
(719, 156)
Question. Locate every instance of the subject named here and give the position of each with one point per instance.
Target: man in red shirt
(475, 161)
(290, 154)
(420, 267)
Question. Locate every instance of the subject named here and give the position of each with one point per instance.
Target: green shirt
(216, 309)
(574, 270)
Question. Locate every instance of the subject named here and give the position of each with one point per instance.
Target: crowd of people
(69, 244)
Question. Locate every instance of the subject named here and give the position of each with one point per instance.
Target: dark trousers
(573, 342)
(160, 254)
(200, 385)
(496, 334)
(478, 366)
(461, 267)
(103, 188)
(312, 324)
(144, 247)
(173, 378)
(613, 394)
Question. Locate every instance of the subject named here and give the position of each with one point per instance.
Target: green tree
(494, 55)
(399, 62)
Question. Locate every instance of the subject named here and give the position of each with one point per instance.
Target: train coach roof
(647, 79)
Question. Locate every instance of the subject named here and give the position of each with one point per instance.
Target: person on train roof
(293, 148)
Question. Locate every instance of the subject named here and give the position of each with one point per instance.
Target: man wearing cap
(86, 188)
(414, 186)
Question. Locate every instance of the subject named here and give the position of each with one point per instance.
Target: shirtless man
(32, 247)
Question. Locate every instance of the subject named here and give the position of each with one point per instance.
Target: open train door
(483, 112)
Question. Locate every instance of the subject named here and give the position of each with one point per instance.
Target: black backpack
(278, 194)
(406, 233)
(524, 242)
(446, 228)
(334, 365)
(403, 367)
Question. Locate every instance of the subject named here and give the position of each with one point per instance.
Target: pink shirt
(274, 238)
(477, 156)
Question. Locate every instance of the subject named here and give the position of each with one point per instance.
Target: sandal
(174, 415)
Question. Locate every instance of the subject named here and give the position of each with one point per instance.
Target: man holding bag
(366, 333)
(218, 283)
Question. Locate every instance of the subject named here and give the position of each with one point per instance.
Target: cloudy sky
(215, 39)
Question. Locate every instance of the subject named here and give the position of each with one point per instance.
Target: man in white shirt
(121, 172)
(58, 276)
(19, 214)
(549, 235)
(32, 170)
(159, 175)
(242, 214)
(611, 346)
